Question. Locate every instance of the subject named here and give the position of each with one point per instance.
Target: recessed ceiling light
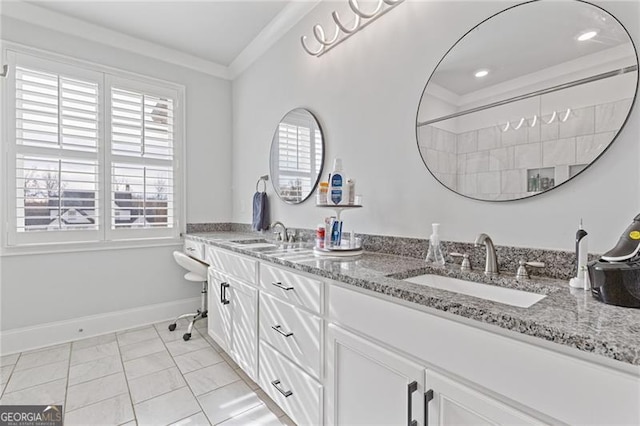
(587, 35)
(481, 73)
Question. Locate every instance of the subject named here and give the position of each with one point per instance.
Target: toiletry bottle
(434, 253)
(581, 255)
(581, 259)
(337, 184)
(320, 230)
(323, 190)
(351, 184)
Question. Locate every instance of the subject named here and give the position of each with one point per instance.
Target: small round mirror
(297, 156)
(527, 99)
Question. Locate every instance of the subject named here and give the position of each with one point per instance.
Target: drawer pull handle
(282, 286)
(286, 394)
(428, 396)
(223, 293)
(411, 388)
(278, 328)
(190, 249)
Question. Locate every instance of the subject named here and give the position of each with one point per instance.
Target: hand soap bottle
(337, 184)
(434, 253)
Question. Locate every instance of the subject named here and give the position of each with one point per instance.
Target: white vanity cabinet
(369, 385)
(328, 353)
(292, 342)
(233, 307)
(502, 380)
(449, 402)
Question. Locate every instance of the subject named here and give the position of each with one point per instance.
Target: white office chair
(197, 273)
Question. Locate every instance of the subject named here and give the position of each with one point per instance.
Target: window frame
(104, 236)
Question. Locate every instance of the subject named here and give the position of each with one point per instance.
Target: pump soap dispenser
(434, 253)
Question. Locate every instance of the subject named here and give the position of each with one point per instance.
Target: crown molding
(42, 17)
(289, 16)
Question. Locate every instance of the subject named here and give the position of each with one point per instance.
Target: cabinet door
(219, 309)
(369, 385)
(456, 404)
(244, 324)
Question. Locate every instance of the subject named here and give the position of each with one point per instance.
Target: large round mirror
(297, 156)
(527, 99)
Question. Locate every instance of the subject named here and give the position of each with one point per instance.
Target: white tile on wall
(448, 180)
(467, 142)
(468, 185)
(561, 151)
(501, 158)
(462, 164)
(514, 137)
(444, 166)
(488, 138)
(513, 182)
(489, 183)
(611, 116)
(534, 134)
(588, 147)
(430, 158)
(548, 131)
(478, 161)
(580, 122)
(444, 141)
(528, 156)
(425, 137)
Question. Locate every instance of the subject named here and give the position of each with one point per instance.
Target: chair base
(195, 316)
(199, 314)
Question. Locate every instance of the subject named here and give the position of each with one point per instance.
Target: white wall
(42, 288)
(366, 92)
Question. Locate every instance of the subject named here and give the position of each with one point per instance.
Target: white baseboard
(41, 335)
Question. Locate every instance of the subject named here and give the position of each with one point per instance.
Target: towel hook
(264, 180)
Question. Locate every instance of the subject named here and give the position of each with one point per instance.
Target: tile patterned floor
(143, 376)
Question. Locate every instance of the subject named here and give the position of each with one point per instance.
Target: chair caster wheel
(172, 327)
(204, 315)
(186, 336)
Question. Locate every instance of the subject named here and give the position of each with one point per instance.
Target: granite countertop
(566, 316)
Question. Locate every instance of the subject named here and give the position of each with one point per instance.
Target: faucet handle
(278, 235)
(522, 272)
(466, 265)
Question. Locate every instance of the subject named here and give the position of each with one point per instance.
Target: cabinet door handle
(278, 328)
(282, 286)
(223, 293)
(411, 388)
(428, 396)
(286, 394)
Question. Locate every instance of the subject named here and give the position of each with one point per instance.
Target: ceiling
(215, 30)
(526, 39)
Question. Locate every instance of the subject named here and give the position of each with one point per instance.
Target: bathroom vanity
(345, 342)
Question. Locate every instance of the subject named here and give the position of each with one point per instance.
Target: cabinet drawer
(194, 249)
(291, 287)
(295, 333)
(296, 392)
(232, 264)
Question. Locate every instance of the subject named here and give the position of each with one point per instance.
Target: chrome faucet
(281, 236)
(491, 264)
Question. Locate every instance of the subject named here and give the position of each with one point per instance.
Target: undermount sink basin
(508, 296)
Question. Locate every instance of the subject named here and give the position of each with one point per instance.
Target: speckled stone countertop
(568, 317)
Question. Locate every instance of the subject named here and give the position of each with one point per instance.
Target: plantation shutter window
(142, 165)
(55, 166)
(92, 155)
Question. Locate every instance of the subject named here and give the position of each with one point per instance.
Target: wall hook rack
(342, 32)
